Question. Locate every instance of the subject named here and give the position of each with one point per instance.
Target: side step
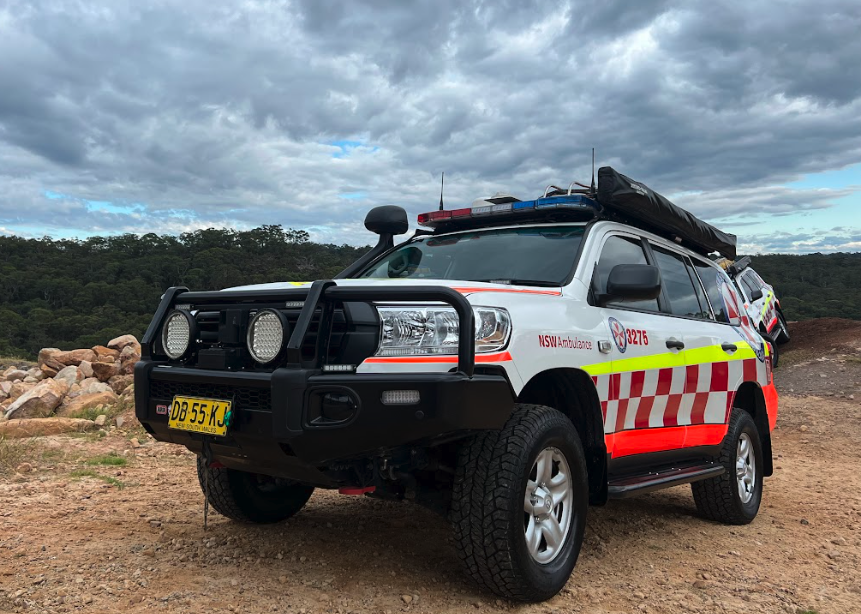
(639, 484)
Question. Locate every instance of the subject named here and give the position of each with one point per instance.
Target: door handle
(728, 347)
(675, 344)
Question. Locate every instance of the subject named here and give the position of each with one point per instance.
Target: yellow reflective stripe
(297, 283)
(694, 356)
(765, 304)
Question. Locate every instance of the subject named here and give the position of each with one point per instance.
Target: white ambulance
(509, 366)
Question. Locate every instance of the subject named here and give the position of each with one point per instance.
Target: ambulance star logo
(619, 334)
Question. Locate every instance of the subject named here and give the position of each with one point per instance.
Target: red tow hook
(355, 491)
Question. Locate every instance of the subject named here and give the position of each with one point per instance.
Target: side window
(698, 288)
(709, 275)
(677, 284)
(749, 284)
(620, 250)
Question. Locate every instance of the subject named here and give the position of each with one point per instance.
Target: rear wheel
(519, 504)
(782, 334)
(251, 497)
(735, 496)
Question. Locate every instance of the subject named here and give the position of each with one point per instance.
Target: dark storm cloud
(185, 114)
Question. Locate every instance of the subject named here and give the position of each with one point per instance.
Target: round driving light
(266, 335)
(176, 334)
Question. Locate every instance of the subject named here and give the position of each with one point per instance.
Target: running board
(630, 486)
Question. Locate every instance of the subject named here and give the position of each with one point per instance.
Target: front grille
(244, 397)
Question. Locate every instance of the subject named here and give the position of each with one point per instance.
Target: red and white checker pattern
(673, 396)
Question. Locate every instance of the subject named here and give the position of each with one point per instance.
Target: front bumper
(274, 430)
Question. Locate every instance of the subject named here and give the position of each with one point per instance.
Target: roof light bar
(571, 202)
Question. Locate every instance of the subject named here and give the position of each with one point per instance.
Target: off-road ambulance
(512, 364)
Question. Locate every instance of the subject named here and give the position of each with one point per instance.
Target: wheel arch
(750, 398)
(573, 392)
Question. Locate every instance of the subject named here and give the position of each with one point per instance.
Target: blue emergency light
(513, 210)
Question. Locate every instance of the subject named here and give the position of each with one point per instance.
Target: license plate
(199, 415)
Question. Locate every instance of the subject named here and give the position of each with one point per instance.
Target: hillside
(71, 294)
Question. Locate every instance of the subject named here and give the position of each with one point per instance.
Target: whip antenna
(593, 171)
(441, 186)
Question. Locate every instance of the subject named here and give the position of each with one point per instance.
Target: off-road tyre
(719, 498)
(782, 335)
(249, 497)
(487, 510)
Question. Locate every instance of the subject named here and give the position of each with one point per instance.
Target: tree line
(78, 293)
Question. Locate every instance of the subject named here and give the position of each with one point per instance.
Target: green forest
(80, 293)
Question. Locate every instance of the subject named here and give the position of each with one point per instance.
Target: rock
(74, 357)
(6, 388)
(40, 401)
(47, 358)
(100, 420)
(407, 599)
(19, 388)
(69, 374)
(34, 427)
(120, 422)
(135, 443)
(91, 385)
(803, 428)
(24, 468)
(701, 584)
(3, 395)
(105, 371)
(84, 402)
(30, 379)
(85, 370)
(101, 352)
(805, 521)
(48, 371)
(119, 383)
(124, 341)
(15, 375)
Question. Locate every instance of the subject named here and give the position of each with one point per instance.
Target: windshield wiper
(521, 282)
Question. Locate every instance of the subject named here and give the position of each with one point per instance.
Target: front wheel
(251, 497)
(519, 504)
(735, 496)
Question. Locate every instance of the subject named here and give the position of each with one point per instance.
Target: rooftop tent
(647, 209)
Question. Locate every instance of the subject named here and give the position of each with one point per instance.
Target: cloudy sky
(168, 116)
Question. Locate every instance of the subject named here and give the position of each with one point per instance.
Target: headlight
(177, 333)
(409, 331)
(266, 335)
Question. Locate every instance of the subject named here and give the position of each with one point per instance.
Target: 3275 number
(637, 337)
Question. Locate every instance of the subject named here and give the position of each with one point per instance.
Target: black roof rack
(738, 266)
(633, 203)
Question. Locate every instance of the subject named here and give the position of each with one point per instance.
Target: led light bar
(574, 202)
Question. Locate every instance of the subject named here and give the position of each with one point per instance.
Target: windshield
(536, 255)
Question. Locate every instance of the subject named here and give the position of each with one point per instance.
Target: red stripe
(615, 383)
(643, 441)
(621, 414)
(498, 357)
(720, 377)
(692, 375)
(644, 410)
(638, 378)
(698, 412)
(665, 381)
(671, 413)
(749, 370)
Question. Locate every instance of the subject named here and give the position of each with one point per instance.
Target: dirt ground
(88, 531)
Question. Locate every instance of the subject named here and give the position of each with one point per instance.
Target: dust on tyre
(251, 497)
(519, 504)
(735, 496)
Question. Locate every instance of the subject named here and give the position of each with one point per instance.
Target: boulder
(47, 357)
(118, 383)
(69, 374)
(19, 388)
(74, 391)
(108, 359)
(102, 351)
(84, 402)
(33, 427)
(91, 385)
(85, 370)
(48, 371)
(30, 380)
(101, 420)
(3, 394)
(37, 373)
(125, 340)
(74, 357)
(105, 371)
(40, 401)
(6, 387)
(15, 374)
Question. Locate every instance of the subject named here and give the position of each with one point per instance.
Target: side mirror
(755, 295)
(632, 282)
(387, 220)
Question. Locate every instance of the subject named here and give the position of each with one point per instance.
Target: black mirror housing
(387, 220)
(632, 282)
(755, 295)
